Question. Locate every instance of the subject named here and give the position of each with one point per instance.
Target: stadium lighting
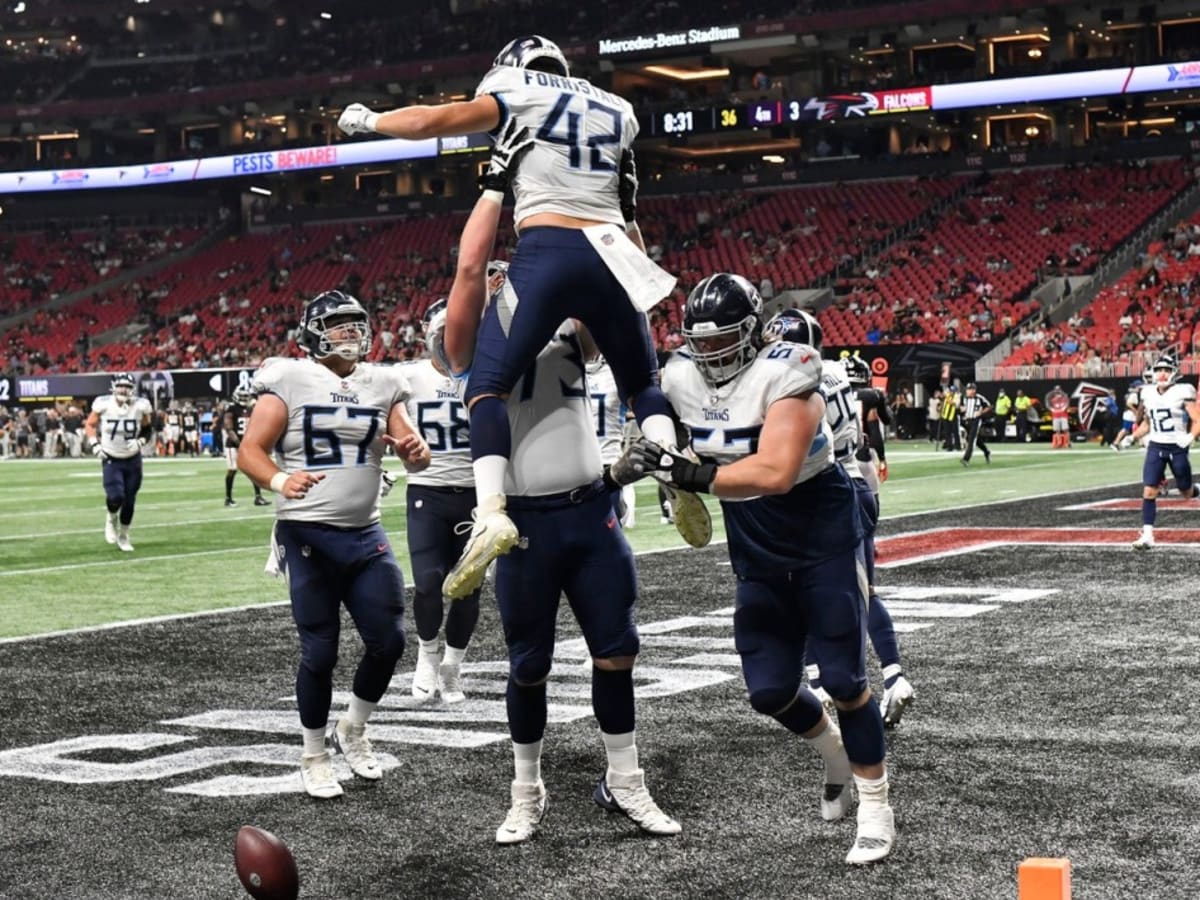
(19, 8)
(326, 15)
(260, 190)
(686, 74)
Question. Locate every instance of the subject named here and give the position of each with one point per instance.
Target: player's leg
(601, 586)
(315, 590)
(231, 471)
(835, 603)
(375, 600)
(769, 633)
(114, 496)
(1181, 468)
(259, 499)
(1154, 466)
(131, 471)
(527, 597)
(972, 434)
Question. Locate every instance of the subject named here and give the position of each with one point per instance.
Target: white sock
(872, 791)
(314, 741)
(622, 752)
(658, 428)
(123, 530)
(629, 496)
(359, 710)
(428, 648)
(112, 517)
(490, 472)
(453, 656)
(833, 753)
(527, 762)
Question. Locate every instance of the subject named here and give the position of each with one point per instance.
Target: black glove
(641, 458)
(627, 187)
(691, 476)
(511, 142)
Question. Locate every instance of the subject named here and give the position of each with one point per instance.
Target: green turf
(193, 554)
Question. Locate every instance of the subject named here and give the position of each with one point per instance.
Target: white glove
(387, 482)
(357, 119)
(97, 450)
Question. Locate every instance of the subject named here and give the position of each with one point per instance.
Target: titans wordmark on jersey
(120, 423)
(335, 427)
(553, 430)
(441, 419)
(580, 130)
(608, 410)
(1167, 413)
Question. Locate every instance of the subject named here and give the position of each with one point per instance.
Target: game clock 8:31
(686, 121)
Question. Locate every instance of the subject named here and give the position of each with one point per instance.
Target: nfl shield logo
(607, 240)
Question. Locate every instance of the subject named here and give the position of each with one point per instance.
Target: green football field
(193, 554)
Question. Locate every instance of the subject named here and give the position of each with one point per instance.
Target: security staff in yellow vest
(949, 423)
(1021, 408)
(1002, 410)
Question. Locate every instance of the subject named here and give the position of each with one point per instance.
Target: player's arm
(230, 426)
(1143, 424)
(91, 426)
(876, 442)
(416, 123)
(1193, 411)
(146, 432)
(268, 422)
(787, 435)
(468, 294)
(403, 438)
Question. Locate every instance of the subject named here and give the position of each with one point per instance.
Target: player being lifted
(1168, 413)
(326, 420)
(580, 255)
(118, 426)
(237, 416)
(757, 420)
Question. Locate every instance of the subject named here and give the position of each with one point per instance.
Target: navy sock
(883, 633)
(490, 432)
(862, 733)
(1149, 511)
(801, 716)
(526, 711)
(612, 700)
(461, 621)
(229, 485)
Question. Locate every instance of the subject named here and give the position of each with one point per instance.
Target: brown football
(265, 865)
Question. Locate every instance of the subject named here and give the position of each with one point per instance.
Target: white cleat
(875, 836)
(450, 683)
(123, 541)
(529, 802)
(425, 676)
(493, 534)
(896, 699)
(837, 800)
(1145, 541)
(351, 741)
(110, 528)
(691, 516)
(317, 773)
(627, 794)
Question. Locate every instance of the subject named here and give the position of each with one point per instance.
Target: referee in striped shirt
(972, 409)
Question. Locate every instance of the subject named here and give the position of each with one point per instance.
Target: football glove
(511, 143)
(388, 482)
(627, 187)
(357, 119)
(689, 475)
(640, 458)
(97, 450)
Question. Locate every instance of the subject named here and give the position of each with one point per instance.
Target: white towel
(643, 279)
(272, 567)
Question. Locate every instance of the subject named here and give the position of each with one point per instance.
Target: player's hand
(511, 143)
(97, 450)
(640, 458)
(627, 187)
(300, 483)
(883, 472)
(411, 450)
(689, 475)
(357, 119)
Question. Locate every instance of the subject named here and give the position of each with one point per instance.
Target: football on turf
(265, 865)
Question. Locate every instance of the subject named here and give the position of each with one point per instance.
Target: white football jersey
(554, 446)
(120, 422)
(441, 419)
(335, 428)
(579, 131)
(842, 413)
(725, 422)
(608, 409)
(1167, 413)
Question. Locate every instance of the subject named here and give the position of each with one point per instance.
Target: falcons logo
(842, 105)
(1089, 396)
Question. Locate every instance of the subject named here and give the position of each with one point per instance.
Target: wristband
(371, 119)
(496, 197)
(278, 480)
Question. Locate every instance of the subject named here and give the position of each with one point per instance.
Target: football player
(610, 415)
(580, 255)
(172, 431)
(758, 423)
(237, 416)
(1168, 414)
(326, 421)
(118, 426)
(439, 499)
(191, 430)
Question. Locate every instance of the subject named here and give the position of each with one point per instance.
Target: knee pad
(841, 684)
(390, 645)
(318, 655)
(771, 701)
(530, 670)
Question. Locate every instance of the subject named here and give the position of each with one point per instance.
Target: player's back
(580, 132)
(441, 419)
(841, 413)
(335, 427)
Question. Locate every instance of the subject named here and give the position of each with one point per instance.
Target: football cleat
(316, 772)
(351, 741)
(1145, 541)
(837, 800)
(123, 543)
(627, 794)
(425, 676)
(493, 534)
(875, 836)
(110, 528)
(229, 501)
(450, 683)
(895, 700)
(260, 500)
(692, 519)
(529, 803)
